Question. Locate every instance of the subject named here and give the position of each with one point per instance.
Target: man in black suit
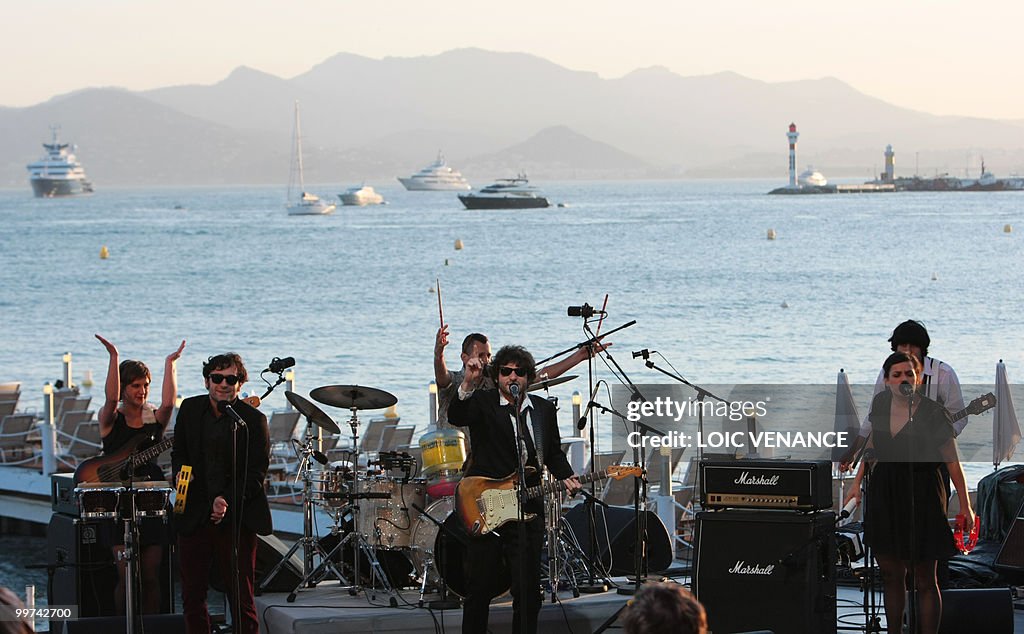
(221, 503)
(491, 416)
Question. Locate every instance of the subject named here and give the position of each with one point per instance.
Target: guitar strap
(538, 435)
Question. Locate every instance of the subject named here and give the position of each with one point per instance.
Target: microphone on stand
(513, 389)
(848, 509)
(585, 311)
(226, 410)
(906, 388)
(582, 422)
(279, 365)
(645, 353)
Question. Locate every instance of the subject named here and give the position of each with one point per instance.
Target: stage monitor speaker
(84, 570)
(269, 551)
(616, 538)
(1011, 553)
(767, 570)
(988, 610)
(151, 624)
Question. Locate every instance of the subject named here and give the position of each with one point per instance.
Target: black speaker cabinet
(616, 544)
(85, 573)
(766, 570)
(151, 624)
(988, 610)
(1011, 552)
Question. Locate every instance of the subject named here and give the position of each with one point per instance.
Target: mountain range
(493, 114)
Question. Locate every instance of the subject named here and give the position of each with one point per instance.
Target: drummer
(477, 346)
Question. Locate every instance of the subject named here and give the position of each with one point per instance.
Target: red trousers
(197, 552)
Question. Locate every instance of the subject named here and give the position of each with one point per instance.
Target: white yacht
(361, 196)
(307, 204)
(811, 177)
(58, 173)
(437, 176)
(506, 193)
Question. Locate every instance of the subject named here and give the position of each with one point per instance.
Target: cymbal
(353, 397)
(546, 383)
(312, 412)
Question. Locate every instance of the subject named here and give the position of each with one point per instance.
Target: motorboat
(59, 173)
(812, 178)
(437, 177)
(361, 196)
(306, 204)
(506, 193)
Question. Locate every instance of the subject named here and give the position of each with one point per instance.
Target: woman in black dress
(125, 415)
(905, 514)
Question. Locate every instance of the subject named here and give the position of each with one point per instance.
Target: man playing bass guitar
(490, 415)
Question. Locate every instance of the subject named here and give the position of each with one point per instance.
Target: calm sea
(350, 295)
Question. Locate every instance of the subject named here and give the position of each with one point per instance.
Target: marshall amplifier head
(803, 485)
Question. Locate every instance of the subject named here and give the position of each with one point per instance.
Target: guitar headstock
(252, 400)
(619, 471)
(981, 404)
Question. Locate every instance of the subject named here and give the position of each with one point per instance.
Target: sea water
(353, 296)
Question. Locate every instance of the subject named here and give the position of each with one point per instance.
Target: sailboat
(307, 204)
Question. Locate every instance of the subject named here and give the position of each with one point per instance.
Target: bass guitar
(484, 504)
(116, 466)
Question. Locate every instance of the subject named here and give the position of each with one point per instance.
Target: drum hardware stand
(872, 623)
(308, 542)
(444, 603)
(563, 550)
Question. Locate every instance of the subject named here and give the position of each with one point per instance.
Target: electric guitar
(979, 405)
(115, 467)
(484, 504)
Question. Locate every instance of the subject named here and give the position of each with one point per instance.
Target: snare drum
(443, 452)
(98, 501)
(151, 498)
(330, 487)
(387, 522)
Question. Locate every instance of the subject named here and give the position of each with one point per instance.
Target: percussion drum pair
(104, 500)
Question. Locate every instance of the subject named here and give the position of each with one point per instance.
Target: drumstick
(440, 312)
(601, 320)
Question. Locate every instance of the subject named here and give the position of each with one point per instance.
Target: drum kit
(377, 502)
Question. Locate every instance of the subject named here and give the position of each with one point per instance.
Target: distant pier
(864, 188)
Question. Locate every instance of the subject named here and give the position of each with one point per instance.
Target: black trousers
(504, 556)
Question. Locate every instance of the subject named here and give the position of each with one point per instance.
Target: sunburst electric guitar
(484, 504)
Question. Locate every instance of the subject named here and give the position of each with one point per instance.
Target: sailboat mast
(298, 147)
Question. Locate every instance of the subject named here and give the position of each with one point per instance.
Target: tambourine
(966, 544)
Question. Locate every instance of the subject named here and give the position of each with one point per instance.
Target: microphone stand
(236, 515)
(521, 495)
(270, 388)
(912, 609)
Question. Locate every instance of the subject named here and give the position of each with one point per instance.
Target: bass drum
(448, 556)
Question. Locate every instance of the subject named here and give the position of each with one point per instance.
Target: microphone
(906, 389)
(582, 422)
(226, 410)
(278, 365)
(645, 353)
(513, 389)
(848, 509)
(319, 457)
(585, 311)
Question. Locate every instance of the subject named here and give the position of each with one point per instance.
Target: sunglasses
(506, 371)
(232, 379)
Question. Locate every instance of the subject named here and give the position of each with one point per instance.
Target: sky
(943, 57)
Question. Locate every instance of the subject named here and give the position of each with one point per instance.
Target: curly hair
(514, 354)
(221, 361)
(664, 608)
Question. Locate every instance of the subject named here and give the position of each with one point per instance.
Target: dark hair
(912, 332)
(514, 354)
(471, 338)
(664, 608)
(221, 361)
(902, 357)
(129, 370)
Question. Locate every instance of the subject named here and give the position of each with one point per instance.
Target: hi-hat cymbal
(546, 383)
(353, 397)
(312, 412)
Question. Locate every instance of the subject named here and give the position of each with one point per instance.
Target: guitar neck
(146, 455)
(546, 488)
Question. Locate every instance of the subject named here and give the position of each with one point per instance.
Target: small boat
(58, 173)
(436, 177)
(506, 193)
(360, 196)
(307, 204)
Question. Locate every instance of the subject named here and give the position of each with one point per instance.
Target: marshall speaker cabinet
(766, 570)
(801, 485)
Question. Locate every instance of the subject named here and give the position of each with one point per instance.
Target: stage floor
(330, 609)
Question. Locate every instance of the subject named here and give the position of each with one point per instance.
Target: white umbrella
(1005, 429)
(847, 419)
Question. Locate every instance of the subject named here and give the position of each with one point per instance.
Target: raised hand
(111, 348)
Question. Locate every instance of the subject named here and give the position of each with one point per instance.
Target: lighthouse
(792, 135)
(890, 165)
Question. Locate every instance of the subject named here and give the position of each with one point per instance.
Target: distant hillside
(366, 119)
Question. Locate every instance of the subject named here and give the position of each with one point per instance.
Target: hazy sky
(944, 57)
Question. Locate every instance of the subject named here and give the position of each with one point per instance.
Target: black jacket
(202, 439)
